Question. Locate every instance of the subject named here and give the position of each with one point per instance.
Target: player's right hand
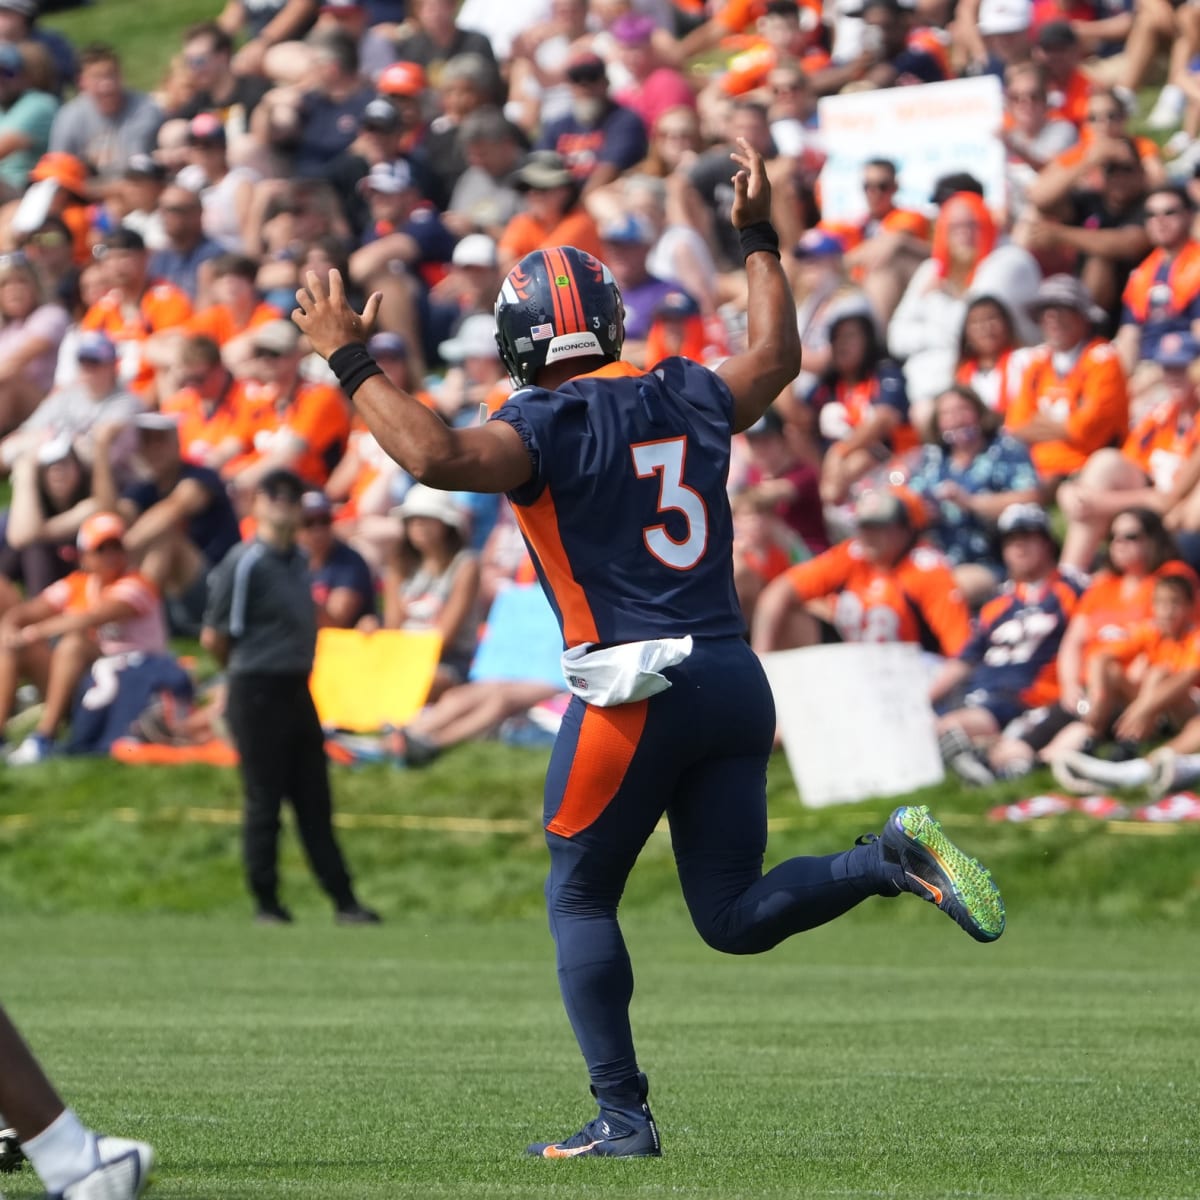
(751, 188)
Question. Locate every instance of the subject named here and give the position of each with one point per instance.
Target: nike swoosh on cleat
(567, 1151)
(935, 892)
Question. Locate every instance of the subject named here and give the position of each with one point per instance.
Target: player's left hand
(751, 187)
(326, 317)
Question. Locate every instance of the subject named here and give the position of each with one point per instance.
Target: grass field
(417, 1059)
(887, 1055)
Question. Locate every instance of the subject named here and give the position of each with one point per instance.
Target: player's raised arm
(490, 458)
(772, 357)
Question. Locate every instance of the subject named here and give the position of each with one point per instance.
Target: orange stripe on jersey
(539, 524)
(608, 738)
(555, 298)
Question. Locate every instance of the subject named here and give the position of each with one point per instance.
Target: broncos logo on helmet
(557, 304)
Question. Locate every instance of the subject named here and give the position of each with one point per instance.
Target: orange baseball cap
(66, 170)
(99, 528)
(402, 79)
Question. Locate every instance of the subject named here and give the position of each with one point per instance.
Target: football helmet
(557, 304)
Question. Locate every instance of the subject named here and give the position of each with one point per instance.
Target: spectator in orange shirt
(881, 586)
(53, 638)
(1073, 399)
(552, 216)
(1156, 467)
(1142, 681)
(237, 309)
(133, 306)
(306, 426)
(214, 411)
(884, 247)
(1058, 52)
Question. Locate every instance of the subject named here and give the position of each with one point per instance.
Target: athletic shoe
(933, 867)
(1168, 109)
(273, 914)
(34, 749)
(12, 1157)
(609, 1135)
(357, 914)
(123, 1172)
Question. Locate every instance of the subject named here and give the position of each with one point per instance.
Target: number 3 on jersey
(666, 460)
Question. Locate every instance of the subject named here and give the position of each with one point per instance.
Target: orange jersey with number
(1162, 441)
(915, 601)
(1090, 400)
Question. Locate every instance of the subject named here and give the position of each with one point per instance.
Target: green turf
(146, 31)
(877, 1057)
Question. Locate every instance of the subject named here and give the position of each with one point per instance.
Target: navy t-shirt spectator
(327, 128)
(617, 138)
(179, 268)
(344, 568)
(213, 530)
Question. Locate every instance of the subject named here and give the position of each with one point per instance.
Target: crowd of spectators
(967, 358)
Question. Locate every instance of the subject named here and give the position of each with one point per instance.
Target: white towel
(622, 674)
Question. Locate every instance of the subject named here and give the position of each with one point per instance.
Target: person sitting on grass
(1142, 685)
(1010, 664)
(102, 609)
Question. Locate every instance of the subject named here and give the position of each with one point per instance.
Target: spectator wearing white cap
(476, 375)
(404, 247)
(181, 522)
(51, 497)
(991, 35)
(432, 580)
(470, 285)
(77, 408)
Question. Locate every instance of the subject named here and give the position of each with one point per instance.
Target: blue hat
(678, 305)
(1177, 350)
(95, 347)
(11, 62)
(629, 230)
(388, 345)
(817, 243)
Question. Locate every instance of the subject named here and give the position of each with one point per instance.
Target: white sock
(1134, 773)
(1187, 768)
(63, 1152)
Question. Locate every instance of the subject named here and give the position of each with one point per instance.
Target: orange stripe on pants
(608, 738)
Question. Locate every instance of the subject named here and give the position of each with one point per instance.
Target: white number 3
(666, 460)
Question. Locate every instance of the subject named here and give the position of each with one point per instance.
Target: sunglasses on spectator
(197, 60)
(179, 209)
(1120, 168)
(316, 522)
(1111, 115)
(1026, 97)
(263, 352)
(47, 238)
(1128, 535)
(108, 546)
(1164, 212)
(877, 185)
(193, 380)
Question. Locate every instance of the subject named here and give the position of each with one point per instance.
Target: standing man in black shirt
(261, 625)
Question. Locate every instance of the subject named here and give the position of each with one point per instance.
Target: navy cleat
(928, 864)
(612, 1134)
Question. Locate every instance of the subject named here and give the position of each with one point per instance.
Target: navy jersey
(626, 515)
(1015, 647)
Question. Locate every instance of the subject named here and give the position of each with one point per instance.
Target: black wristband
(353, 366)
(759, 236)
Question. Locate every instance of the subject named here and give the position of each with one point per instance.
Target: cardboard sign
(856, 720)
(522, 641)
(928, 131)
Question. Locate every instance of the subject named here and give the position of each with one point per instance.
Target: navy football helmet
(557, 304)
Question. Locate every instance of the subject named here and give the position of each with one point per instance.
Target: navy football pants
(698, 753)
